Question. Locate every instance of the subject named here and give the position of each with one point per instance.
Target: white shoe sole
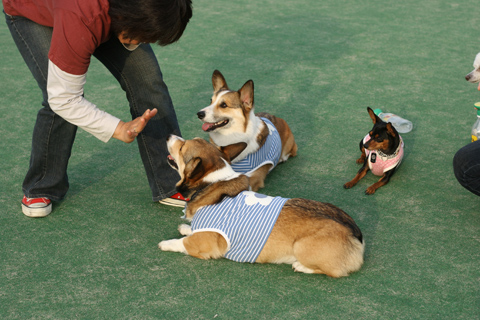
(36, 212)
(173, 202)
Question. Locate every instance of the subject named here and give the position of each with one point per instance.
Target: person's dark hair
(160, 21)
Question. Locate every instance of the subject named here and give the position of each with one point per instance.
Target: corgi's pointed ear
(194, 168)
(232, 151)
(374, 117)
(391, 130)
(246, 95)
(218, 81)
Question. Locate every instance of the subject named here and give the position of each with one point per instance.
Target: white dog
(474, 76)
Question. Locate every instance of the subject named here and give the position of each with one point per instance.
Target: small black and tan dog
(382, 152)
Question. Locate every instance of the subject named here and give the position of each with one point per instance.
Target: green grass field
(317, 64)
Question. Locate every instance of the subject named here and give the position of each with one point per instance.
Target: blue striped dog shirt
(245, 222)
(269, 153)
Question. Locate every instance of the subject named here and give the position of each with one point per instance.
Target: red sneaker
(177, 200)
(36, 207)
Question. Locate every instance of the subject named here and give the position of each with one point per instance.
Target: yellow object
(474, 138)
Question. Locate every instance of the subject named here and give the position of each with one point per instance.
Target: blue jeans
(140, 77)
(466, 166)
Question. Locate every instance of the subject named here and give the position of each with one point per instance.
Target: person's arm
(65, 96)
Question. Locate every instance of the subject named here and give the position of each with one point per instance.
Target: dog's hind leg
(298, 267)
(325, 252)
(206, 245)
(383, 181)
(290, 148)
(292, 151)
(363, 155)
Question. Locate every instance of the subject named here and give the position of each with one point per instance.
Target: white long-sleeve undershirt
(65, 96)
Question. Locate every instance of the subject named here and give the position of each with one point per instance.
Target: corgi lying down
(230, 120)
(229, 221)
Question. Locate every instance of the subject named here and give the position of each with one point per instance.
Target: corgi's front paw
(185, 229)
(175, 245)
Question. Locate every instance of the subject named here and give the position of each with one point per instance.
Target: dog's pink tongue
(479, 86)
(207, 126)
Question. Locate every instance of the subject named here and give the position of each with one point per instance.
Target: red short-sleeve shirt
(79, 27)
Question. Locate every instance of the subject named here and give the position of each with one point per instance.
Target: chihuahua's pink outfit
(380, 162)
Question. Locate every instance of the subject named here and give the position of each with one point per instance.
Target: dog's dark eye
(223, 105)
(378, 139)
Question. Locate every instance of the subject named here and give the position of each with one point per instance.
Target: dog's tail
(354, 256)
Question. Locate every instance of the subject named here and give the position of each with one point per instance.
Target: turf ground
(318, 64)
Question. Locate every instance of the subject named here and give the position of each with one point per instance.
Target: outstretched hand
(128, 131)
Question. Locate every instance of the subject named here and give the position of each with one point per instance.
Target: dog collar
(194, 195)
(385, 156)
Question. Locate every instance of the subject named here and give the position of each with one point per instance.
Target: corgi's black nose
(201, 114)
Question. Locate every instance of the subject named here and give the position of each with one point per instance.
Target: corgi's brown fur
(230, 119)
(312, 236)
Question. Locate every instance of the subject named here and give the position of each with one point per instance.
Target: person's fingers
(134, 127)
(139, 124)
(149, 114)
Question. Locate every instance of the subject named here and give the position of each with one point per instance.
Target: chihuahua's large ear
(246, 95)
(194, 168)
(218, 81)
(232, 151)
(374, 117)
(391, 130)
